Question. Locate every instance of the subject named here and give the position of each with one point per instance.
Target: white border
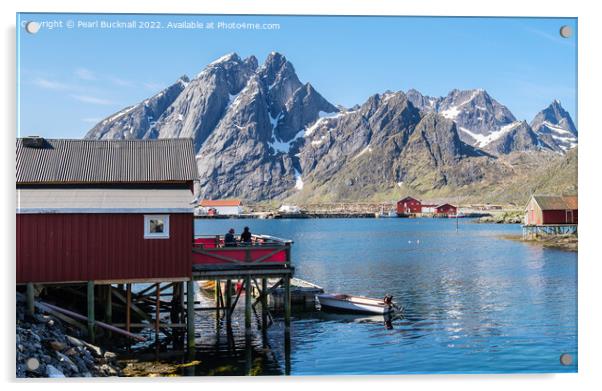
(590, 141)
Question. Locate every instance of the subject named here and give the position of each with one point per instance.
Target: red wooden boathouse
(117, 210)
(121, 212)
(446, 209)
(551, 210)
(409, 205)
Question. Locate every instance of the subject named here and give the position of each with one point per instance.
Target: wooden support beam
(109, 304)
(228, 301)
(236, 300)
(30, 299)
(287, 304)
(157, 311)
(248, 305)
(190, 314)
(91, 320)
(264, 303)
(128, 306)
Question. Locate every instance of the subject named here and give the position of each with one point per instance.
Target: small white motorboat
(356, 304)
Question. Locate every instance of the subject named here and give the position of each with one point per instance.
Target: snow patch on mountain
(483, 140)
(451, 113)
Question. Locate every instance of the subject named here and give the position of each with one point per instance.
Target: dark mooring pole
(190, 313)
(91, 319)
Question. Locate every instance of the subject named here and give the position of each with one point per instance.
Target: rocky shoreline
(46, 347)
(560, 242)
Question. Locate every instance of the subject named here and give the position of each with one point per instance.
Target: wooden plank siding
(82, 247)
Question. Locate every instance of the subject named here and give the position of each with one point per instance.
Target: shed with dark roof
(104, 210)
(551, 210)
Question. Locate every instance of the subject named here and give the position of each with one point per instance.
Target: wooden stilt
(128, 306)
(190, 313)
(287, 354)
(30, 299)
(287, 304)
(182, 299)
(248, 304)
(109, 304)
(216, 293)
(228, 302)
(157, 310)
(264, 303)
(91, 319)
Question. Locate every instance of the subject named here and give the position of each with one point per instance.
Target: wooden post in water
(190, 313)
(248, 303)
(264, 303)
(287, 304)
(91, 319)
(228, 302)
(31, 308)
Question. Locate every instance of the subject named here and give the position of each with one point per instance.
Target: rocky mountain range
(261, 134)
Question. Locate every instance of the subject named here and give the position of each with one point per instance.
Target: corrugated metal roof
(556, 202)
(106, 161)
(220, 203)
(104, 201)
(571, 202)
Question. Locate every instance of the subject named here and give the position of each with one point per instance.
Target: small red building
(551, 210)
(409, 205)
(110, 210)
(446, 209)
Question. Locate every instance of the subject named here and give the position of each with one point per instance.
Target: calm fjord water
(474, 302)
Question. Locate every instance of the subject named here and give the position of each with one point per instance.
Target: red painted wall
(559, 217)
(82, 247)
(409, 205)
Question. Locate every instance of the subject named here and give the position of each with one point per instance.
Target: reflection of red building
(409, 205)
(446, 209)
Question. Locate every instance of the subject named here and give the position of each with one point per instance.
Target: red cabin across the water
(409, 205)
(446, 209)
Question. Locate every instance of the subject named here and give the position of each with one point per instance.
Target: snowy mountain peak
(555, 126)
(226, 58)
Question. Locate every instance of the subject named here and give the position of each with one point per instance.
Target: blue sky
(71, 78)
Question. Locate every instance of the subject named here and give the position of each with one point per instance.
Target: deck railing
(210, 251)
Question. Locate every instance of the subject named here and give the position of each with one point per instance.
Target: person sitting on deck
(245, 237)
(229, 240)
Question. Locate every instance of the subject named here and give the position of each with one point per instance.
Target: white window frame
(162, 235)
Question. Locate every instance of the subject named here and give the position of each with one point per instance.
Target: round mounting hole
(32, 27)
(566, 31)
(566, 359)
